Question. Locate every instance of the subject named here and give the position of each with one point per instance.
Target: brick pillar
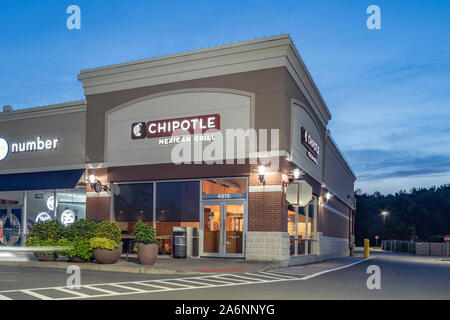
(98, 204)
(267, 237)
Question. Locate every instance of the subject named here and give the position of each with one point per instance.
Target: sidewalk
(163, 265)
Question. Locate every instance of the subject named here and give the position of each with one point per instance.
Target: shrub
(80, 230)
(102, 243)
(34, 241)
(108, 230)
(78, 248)
(52, 229)
(144, 233)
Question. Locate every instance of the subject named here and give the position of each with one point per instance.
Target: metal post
(55, 212)
(24, 217)
(306, 210)
(296, 232)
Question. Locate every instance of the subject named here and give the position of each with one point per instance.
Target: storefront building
(126, 135)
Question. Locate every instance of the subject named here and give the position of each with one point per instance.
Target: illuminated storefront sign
(312, 147)
(177, 126)
(38, 144)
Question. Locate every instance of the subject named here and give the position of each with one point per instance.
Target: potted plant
(105, 250)
(107, 245)
(34, 241)
(146, 243)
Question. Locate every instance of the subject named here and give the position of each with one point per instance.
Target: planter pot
(108, 256)
(147, 253)
(45, 257)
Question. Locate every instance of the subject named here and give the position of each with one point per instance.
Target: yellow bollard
(366, 248)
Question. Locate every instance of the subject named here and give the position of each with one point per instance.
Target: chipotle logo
(177, 126)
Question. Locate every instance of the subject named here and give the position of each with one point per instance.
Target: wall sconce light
(328, 196)
(296, 173)
(96, 185)
(262, 172)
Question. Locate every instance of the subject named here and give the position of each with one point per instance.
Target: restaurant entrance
(222, 228)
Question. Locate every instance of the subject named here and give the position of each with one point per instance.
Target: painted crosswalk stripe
(197, 282)
(176, 284)
(153, 285)
(252, 279)
(126, 287)
(2, 297)
(263, 275)
(72, 291)
(281, 275)
(92, 287)
(36, 295)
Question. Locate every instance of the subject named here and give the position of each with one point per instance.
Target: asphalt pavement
(401, 277)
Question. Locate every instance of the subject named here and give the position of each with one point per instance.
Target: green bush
(144, 234)
(78, 248)
(52, 229)
(102, 243)
(34, 241)
(80, 230)
(109, 230)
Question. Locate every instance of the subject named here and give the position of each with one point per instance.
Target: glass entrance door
(223, 228)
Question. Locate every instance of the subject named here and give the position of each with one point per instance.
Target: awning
(47, 180)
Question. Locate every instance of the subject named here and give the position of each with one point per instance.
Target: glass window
(177, 201)
(177, 205)
(70, 205)
(133, 202)
(224, 188)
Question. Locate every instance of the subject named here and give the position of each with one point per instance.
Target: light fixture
(296, 173)
(328, 196)
(261, 172)
(384, 212)
(96, 184)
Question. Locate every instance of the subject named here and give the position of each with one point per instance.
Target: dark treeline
(421, 214)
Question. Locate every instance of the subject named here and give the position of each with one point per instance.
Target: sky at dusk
(388, 90)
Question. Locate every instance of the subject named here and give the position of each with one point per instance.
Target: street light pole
(384, 213)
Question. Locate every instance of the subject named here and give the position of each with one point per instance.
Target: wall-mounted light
(262, 172)
(328, 196)
(296, 173)
(96, 185)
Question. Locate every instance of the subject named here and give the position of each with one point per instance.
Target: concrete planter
(147, 253)
(107, 256)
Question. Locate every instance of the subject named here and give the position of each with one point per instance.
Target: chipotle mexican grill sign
(177, 126)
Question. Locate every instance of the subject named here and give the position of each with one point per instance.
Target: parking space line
(331, 270)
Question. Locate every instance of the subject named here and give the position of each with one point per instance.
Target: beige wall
(272, 106)
(69, 128)
(122, 150)
(336, 174)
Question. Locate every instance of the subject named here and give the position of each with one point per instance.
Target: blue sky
(388, 89)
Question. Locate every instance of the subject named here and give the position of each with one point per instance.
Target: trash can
(179, 242)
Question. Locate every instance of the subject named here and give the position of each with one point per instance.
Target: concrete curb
(100, 267)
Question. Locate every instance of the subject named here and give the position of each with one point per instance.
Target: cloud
(373, 164)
